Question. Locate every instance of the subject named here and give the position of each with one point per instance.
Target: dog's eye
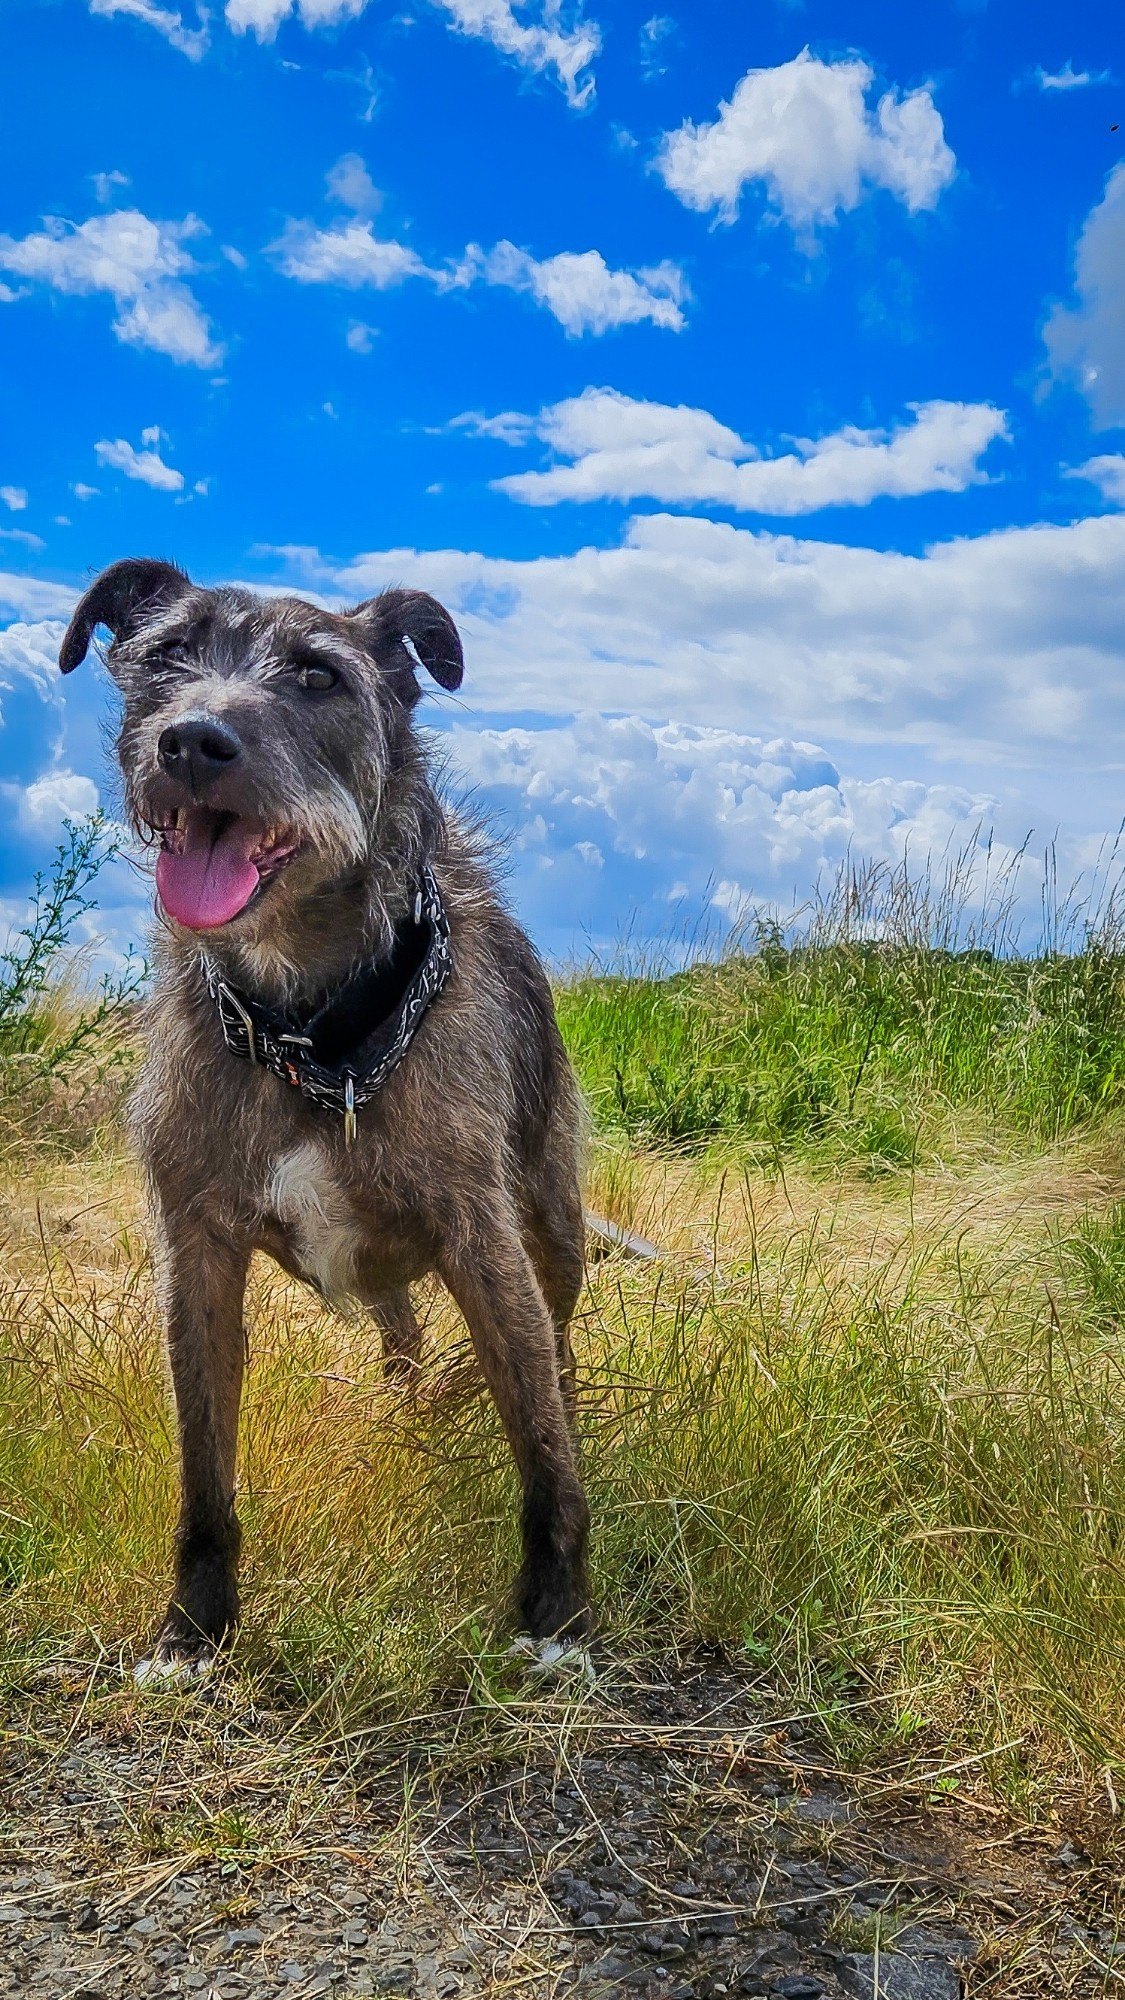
(317, 676)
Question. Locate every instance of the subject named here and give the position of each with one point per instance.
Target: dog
(352, 1060)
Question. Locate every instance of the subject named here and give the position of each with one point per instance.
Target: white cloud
(578, 287)
(191, 42)
(584, 295)
(14, 498)
(23, 535)
(535, 46)
(349, 183)
(105, 185)
(81, 491)
(139, 263)
(28, 597)
(998, 649)
(697, 808)
(1068, 78)
(508, 427)
(622, 449)
(349, 253)
(653, 34)
(538, 46)
(804, 132)
(1086, 340)
(360, 337)
(1106, 472)
(44, 804)
(147, 465)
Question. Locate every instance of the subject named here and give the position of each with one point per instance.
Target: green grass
(873, 1447)
(852, 1050)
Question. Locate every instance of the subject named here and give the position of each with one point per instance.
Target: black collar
(342, 1052)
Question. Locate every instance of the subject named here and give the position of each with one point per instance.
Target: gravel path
(651, 1837)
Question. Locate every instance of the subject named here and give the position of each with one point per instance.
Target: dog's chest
(317, 1219)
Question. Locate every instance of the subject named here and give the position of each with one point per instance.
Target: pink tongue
(213, 878)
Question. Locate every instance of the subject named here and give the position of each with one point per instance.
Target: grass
(862, 1427)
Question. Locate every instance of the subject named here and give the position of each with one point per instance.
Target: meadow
(859, 1430)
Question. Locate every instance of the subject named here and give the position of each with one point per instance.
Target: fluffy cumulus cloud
(59, 795)
(1001, 649)
(139, 264)
(145, 465)
(14, 498)
(578, 287)
(805, 134)
(350, 254)
(541, 46)
(607, 813)
(167, 21)
(622, 449)
(1086, 338)
(584, 295)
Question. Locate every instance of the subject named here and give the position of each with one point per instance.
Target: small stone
(354, 1933)
(9, 1914)
(393, 1978)
(291, 1971)
(1070, 1855)
(144, 1927)
(195, 1980)
(87, 1918)
(898, 1978)
(919, 1941)
(237, 1939)
(797, 1986)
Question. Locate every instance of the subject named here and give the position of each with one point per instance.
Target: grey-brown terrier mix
(352, 1057)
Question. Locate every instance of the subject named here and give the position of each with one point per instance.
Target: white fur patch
(317, 1216)
(554, 1656)
(169, 1671)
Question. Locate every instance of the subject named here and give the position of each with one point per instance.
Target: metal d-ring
(251, 1045)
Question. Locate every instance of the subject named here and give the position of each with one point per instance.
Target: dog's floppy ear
(116, 598)
(413, 625)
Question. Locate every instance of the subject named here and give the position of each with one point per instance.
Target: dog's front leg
(203, 1284)
(493, 1281)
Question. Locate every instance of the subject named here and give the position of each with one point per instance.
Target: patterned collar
(341, 1054)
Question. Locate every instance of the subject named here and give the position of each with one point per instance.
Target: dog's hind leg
(492, 1278)
(402, 1335)
(203, 1284)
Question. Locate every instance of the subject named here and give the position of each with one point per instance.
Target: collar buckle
(349, 1110)
(228, 994)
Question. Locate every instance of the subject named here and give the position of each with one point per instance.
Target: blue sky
(749, 381)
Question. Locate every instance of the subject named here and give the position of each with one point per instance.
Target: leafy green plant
(52, 1023)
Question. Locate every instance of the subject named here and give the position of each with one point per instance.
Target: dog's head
(258, 734)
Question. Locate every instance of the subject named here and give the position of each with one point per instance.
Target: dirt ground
(645, 1837)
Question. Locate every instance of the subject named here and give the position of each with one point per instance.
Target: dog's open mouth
(212, 863)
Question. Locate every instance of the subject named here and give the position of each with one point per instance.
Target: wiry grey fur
(467, 1161)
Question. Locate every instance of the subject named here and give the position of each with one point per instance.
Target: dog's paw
(555, 1656)
(169, 1666)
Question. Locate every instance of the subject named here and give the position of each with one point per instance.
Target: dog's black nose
(197, 747)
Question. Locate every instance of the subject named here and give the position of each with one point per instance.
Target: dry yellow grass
(869, 1435)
